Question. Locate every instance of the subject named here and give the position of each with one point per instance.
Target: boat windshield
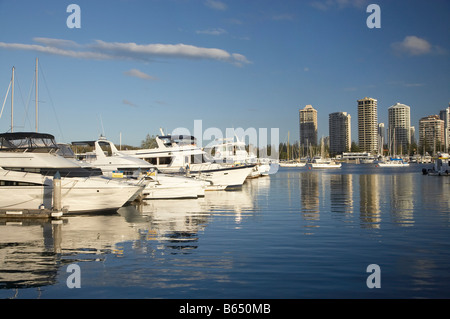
(30, 142)
(180, 140)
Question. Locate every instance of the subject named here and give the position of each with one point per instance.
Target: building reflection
(310, 200)
(369, 201)
(341, 193)
(402, 201)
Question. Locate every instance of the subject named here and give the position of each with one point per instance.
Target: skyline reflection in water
(293, 232)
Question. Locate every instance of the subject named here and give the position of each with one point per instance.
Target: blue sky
(135, 66)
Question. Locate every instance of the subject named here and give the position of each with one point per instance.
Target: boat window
(17, 183)
(198, 158)
(152, 160)
(166, 160)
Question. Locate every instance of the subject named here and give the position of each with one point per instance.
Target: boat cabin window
(166, 160)
(163, 160)
(16, 183)
(198, 158)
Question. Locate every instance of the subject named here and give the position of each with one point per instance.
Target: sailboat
(322, 161)
(392, 161)
(292, 163)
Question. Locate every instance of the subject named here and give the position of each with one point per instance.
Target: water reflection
(369, 201)
(178, 243)
(28, 253)
(341, 193)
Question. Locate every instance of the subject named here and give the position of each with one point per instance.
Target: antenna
(36, 89)
(12, 101)
(101, 123)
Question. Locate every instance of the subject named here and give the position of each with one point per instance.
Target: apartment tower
(399, 128)
(340, 132)
(445, 116)
(431, 134)
(368, 124)
(308, 126)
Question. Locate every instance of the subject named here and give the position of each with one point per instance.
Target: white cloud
(340, 4)
(214, 31)
(101, 50)
(285, 16)
(126, 102)
(139, 74)
(412, 45)
(216, 5)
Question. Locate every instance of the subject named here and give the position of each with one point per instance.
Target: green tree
(149, 142)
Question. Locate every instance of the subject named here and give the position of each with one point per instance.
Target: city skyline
(135, 66)
(374, 136)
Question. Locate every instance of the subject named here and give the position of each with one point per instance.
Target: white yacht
(28, 163)
(115, 164)
(292, 164)
(392, 162)
(320, 162)
(179, 154)
(228, 150)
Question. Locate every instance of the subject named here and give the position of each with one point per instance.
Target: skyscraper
(399, 128)
(381, 137)
(308, 126)
(367, 124)
(431, 134)
(340, 132)
(445, 116)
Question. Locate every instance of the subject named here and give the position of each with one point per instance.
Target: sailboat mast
(12, 101)
(36, 89)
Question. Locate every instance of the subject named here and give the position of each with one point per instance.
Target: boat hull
(174, 187)
(224, 177)
(78, 194)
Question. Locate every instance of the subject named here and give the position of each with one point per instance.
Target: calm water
(296, 234)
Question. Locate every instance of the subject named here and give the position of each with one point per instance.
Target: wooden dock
(30, 213)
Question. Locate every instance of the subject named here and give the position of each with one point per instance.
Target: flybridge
(27, 141)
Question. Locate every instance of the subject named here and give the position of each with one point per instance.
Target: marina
(296, 234)
(146, 153)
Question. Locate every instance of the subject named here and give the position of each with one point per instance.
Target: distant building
(368, 124)
(340, 132)
(431, 134)
(308, 126)
(381, 136)
(412, 133)
(399, 128)
(445, 116)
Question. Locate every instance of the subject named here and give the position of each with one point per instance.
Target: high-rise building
(399, 128)
(339, 132)
(368, 124)
(381, 137)
(412, 133)
(445, 116)
(431, 134)
(308, 126)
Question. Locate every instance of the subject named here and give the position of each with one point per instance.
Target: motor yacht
(320, 162)
(392, 162)
(116, 164)
(28, 164)
(229, 150)
(179, 154)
